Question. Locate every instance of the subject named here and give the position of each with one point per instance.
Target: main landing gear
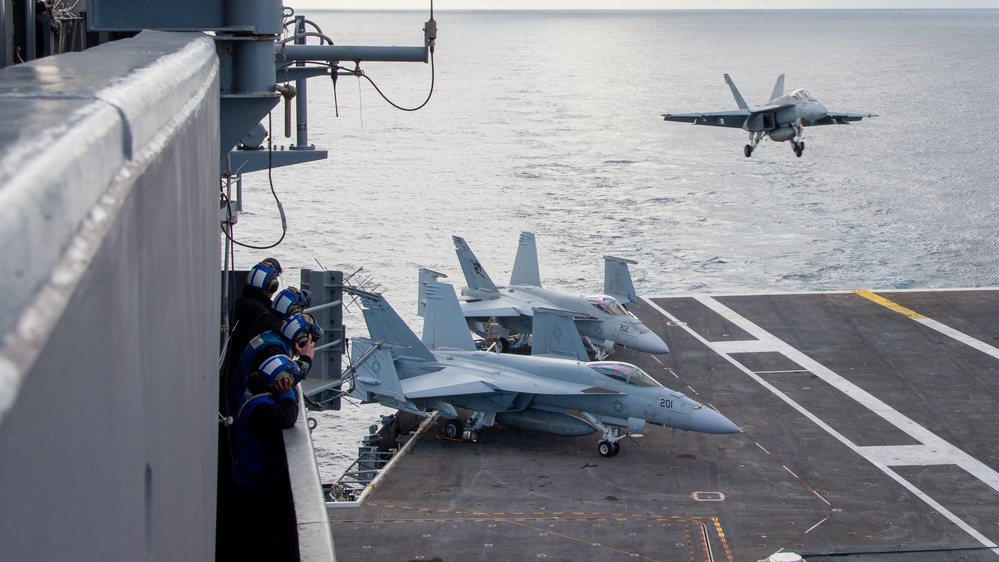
(754, 139)
(468, 431)
(609, 445)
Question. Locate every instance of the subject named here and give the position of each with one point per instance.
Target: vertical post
(6, 32)
(327, 289)
(29, 30)
(301, 99)
(239, 192)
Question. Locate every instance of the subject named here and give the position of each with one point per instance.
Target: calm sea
(551, 122)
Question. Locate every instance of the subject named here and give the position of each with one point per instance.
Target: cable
(270, 179)
(360, 73)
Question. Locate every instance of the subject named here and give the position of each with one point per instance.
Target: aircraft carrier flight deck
(869, 433)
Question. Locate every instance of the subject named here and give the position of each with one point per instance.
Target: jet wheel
(608, 449)
(748, 150)
(453, 429)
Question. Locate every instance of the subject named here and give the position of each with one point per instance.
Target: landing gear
(608, 448)
(453, 429)
(797, 143)
(458, 431)
(754, 140)
(501, 345)
(600, 351)
(609, 445)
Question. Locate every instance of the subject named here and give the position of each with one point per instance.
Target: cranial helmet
(299, 325)
(264, 276)
(273, 264)
(274, 367)
(290, 301)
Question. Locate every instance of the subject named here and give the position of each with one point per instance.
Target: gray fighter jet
(783, 118)
(444, 372)
(601, 319)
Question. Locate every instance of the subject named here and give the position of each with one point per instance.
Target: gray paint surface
(108, 365)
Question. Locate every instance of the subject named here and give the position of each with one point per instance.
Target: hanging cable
(360, 74)
(270, 179)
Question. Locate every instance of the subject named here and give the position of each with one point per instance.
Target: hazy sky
(633, 4)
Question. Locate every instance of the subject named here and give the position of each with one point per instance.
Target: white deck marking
(933, 450)
(932, 324)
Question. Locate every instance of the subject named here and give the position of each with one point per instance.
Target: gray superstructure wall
(109, 245)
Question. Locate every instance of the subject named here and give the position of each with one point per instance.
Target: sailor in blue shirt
(296, 338)
(256, 514)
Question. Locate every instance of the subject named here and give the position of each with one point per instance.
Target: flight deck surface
(869, 433)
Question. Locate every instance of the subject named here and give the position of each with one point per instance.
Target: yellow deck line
(894, 306)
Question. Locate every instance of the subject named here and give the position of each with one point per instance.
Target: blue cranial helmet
(299, 325)
(264, 277)
(275, 366)
(290, 301)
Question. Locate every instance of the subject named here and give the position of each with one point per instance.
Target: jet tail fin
(426, 276)
(384, 324)
(735, 93)
(617, 279)
(778, 88)
(475, 276)
(555, 335)
(375, 375)
(525, 266)
(444, 325)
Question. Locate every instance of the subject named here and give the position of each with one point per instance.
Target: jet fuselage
(618, 393)
(608, 319)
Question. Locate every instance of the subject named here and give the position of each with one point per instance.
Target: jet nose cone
(706, 420)
(649, 342)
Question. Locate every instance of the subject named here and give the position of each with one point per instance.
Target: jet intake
(553, 423)
(782, 134)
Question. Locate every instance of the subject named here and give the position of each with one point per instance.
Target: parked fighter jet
(783, 118)
(601, 319)
(444, 373)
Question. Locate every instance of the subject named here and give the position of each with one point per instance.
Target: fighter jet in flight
(601, 319)
(550, 391)
(783, 118)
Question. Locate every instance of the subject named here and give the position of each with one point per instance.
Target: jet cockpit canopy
(801, 94)
(625, 372)
(608, 304)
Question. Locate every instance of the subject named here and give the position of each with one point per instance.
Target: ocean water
(551, 122)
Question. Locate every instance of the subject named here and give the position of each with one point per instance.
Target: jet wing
(490, 309)
(770, 108)
(450, 382)
(836, 119)
(734, 118)
(444, 383)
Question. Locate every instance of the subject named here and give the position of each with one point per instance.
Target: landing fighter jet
(444, 372)
(783, 118)
(601, 319)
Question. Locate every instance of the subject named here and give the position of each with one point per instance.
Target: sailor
(296, 338)
(262, 281)
(254, 304)
(286, 303)
(256, 515)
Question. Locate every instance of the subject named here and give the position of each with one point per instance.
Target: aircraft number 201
(665, 403)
